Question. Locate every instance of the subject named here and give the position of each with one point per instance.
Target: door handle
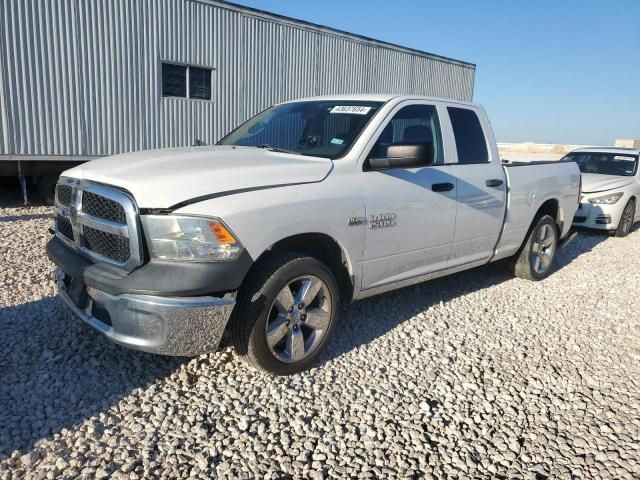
(442, 187)
(494, 182)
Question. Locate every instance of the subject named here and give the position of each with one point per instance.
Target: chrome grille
(100, 222)
(63, 226)
(63, 194)
(102, 207)
(107, 244)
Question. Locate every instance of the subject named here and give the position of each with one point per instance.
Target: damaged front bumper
(184, 326)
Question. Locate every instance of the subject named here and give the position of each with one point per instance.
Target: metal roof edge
(276, 16)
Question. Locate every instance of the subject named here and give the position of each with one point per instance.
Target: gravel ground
(473, 376)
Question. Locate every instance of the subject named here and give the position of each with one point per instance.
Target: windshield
(605, 163)
(316, 128)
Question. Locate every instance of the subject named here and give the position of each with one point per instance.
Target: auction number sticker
(624, 157)
(352, 109)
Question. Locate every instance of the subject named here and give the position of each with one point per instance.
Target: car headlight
(191, 239)
(607, 199)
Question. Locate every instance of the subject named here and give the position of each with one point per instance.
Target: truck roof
(378, 97)
(620, 150)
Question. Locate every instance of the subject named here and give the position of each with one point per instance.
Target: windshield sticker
(337, 141)
(624, 157)
(352, 109)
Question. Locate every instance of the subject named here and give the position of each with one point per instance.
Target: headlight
(191, 239)
(607, 199)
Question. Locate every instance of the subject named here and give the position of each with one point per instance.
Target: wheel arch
(323, 247)
(550, 207)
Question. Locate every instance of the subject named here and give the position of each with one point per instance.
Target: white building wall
(81, 78)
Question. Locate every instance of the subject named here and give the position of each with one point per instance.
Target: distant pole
(23, 185)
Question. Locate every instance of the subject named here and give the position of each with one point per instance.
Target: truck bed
(529, 186)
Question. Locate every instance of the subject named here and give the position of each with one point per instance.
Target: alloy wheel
(543, 249)
(298, 319)
(627, 218)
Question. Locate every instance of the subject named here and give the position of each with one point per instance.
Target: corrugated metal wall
(82, 77)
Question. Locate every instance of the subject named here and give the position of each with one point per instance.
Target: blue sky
(563, 71)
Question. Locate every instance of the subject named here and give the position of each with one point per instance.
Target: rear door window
(467, 131)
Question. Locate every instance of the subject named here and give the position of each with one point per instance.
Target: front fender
(260, 219)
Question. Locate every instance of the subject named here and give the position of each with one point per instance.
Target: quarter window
(186, 81)
(413, 124)
(467, 131)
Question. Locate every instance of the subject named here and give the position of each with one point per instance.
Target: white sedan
(610, 188)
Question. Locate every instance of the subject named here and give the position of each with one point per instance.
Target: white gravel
(473, 376)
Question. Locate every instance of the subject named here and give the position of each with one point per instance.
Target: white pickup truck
(307, 206)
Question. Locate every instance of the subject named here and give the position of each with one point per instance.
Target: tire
(269, 330)
(528, 263)
(626, 219)
(46, 186)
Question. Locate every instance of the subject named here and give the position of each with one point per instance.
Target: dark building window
(200, 83)
(176, 78)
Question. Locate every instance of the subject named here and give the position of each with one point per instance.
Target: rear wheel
(536, 257)
(626, 220)
(285, 315)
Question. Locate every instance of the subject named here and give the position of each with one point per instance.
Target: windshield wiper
(275, 149)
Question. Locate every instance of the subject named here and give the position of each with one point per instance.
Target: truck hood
(593, 183)
(170, 178)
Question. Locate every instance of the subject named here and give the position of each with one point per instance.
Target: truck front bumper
(184, 326)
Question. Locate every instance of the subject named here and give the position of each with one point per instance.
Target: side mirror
(405, 155)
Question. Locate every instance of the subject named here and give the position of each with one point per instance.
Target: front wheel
(536, 257)
(626, 219)
(286, 313)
